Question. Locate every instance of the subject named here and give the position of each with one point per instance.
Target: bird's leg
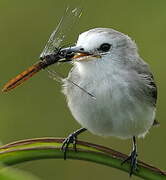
(72, 138)
(132, 158)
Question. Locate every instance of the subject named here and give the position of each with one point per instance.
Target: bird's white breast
(117, 109)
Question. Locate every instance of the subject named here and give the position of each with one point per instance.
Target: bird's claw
(71, 139)
(133, 162)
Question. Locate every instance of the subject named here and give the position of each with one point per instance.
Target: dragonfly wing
(62, 32)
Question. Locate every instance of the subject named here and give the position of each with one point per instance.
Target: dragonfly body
(25, 75)
(52, 52)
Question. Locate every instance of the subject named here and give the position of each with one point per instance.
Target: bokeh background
(38, 108)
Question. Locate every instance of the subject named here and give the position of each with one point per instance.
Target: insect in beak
(63, 55)
(20, 78)
(51, 53)
(28, 73)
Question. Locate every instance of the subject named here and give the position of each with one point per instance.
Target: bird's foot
(71, 139)
(133, 161)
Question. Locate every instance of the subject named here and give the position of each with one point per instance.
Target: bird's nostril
(82, 49)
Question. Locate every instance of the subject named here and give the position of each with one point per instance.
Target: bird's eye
(82, 49)
(105, 47)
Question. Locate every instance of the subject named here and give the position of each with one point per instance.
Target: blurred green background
(38, 108)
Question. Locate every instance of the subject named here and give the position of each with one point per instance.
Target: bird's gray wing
(142, 68)
(152, 90)
(154, 96)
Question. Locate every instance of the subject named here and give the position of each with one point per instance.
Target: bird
(110, 89)
(117, 95)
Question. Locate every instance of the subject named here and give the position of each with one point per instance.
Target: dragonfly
(52, 52)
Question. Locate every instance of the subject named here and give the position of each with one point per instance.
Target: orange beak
(84, 56)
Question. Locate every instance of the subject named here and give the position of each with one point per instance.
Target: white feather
(121, 108)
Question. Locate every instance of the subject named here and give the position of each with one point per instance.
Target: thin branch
(44, 148)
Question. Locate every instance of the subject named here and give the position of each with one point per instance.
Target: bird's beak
(81, 56)
(77, 53)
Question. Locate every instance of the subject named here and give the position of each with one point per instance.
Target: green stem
(44, 148)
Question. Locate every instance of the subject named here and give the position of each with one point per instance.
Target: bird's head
(103, 46)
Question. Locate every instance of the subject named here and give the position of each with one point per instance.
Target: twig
(44, 148)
